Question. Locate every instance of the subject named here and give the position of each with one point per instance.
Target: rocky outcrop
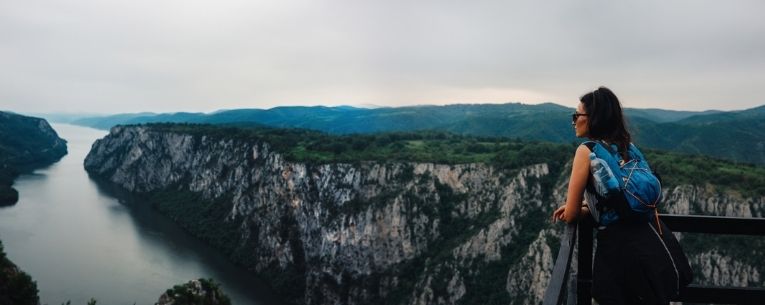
(369, 232)
(721, 270)
(530, 276)
(25, 143)
(706, 200)
(720, 260)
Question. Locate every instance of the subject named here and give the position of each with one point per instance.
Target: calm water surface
(77, 242)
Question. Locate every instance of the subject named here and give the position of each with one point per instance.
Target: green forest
(732, 135)
(447, 148)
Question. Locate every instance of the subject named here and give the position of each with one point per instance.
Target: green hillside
(664, 116)
(423, 146)
(741, 140)
(736, 135)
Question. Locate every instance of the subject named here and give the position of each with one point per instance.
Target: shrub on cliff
(195, 292)
(16, 287)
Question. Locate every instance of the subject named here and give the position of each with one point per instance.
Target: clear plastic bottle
(605, 180)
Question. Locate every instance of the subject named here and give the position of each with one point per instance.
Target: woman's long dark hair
(605, 120)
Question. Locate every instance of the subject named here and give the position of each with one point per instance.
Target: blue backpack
(640, 188)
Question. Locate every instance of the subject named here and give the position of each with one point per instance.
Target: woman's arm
(580, 172)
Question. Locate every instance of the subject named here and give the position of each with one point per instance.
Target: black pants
(632, 266)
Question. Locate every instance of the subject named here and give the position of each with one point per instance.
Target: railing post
(560, 274)
(584, 261)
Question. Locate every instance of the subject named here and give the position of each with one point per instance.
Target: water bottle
(605, 180)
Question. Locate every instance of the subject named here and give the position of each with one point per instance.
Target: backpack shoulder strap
(601, 150)
(609, 155)
(590, 145)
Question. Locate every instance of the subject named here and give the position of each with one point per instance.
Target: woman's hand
(558, 214)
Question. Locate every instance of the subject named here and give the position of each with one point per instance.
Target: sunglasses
(576, 115)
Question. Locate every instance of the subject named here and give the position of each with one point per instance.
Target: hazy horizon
(200, 56)
(95, 114)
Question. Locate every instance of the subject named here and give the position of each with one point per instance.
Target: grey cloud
(205, 55)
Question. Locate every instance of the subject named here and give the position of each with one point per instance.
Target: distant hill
(346, 119)
(106, 122)
(737, 135)
(733, 135)
(67, 118)
(757, 113)
(664, 116)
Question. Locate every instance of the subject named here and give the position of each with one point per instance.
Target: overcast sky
(184, 55)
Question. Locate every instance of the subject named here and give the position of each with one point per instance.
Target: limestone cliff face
(720, 260)
(371, 232)
(705, 200)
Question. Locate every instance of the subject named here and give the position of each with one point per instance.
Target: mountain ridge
(681, 131)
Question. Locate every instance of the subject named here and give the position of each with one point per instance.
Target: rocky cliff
(720, 260)
(28, 141)
(25, 143)
(362, 232)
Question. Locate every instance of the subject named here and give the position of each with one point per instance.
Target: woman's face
(580, 122)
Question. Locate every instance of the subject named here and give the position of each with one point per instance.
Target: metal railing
(558, 290)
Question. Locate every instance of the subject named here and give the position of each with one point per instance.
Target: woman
(632, 264)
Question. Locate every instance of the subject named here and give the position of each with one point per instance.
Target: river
(79, 243)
